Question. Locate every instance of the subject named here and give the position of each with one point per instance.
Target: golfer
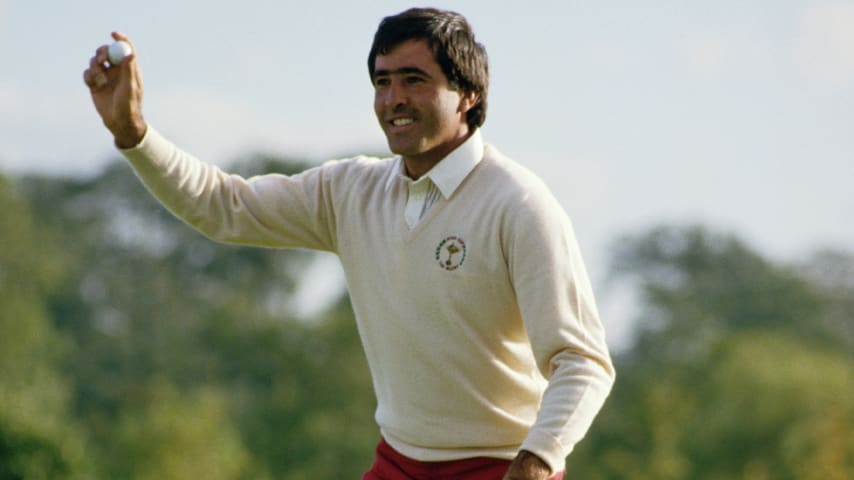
(472, 302)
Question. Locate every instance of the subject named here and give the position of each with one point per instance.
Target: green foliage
(180, 357)
(171, 435)
(742, 368)
(36, 439)
(699, 285)
(314, 418)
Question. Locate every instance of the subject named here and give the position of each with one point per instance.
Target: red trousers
(391, 465)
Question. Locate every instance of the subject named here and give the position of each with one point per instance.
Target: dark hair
(449, 35)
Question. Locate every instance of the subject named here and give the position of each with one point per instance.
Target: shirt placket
(415, 202)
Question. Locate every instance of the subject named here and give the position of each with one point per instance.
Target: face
(422, 117)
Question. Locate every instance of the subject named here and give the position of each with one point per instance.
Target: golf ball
(118, 51)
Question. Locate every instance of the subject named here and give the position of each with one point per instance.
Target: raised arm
(269, 210)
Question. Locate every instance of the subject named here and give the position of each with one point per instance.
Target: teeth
(399, 122)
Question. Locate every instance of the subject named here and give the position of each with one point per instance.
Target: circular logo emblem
(451, 253)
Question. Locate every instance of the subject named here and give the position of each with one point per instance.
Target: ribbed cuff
(152, 153)
(141, 142)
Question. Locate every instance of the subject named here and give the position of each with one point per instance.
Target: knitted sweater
(479, 324)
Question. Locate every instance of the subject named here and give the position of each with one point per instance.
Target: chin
(404, 150)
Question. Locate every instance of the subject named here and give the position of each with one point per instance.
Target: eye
(414, 79)
(381, 82)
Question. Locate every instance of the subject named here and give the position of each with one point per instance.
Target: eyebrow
(401, 71)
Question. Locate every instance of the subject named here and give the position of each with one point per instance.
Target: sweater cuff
(547, 448)
(141, 142)
(152, 151)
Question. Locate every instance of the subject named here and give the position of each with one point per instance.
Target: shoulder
(530, 217)
(514, 186)
(361, 165)
(535, 230)
(361, 170)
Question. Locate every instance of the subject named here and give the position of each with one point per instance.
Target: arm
(271, 210)
(557, 305)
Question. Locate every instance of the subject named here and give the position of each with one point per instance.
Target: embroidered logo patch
(451, 253)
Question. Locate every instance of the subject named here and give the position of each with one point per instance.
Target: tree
(741, 369)
(162, 319)
(36, 439)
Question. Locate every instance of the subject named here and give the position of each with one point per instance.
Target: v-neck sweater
(479, 324)
(443, 179)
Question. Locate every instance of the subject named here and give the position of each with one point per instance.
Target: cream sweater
(479, 324)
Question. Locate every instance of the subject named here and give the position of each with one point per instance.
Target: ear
(467, 101)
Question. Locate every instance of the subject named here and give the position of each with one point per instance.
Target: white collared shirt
(442, 180)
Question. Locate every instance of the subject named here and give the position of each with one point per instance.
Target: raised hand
(117, 94)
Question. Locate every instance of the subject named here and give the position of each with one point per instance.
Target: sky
(738, 115)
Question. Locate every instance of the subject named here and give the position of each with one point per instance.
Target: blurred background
(703, 152)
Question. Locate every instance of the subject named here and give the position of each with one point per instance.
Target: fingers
(128, 65)
(98, 75)
(95, 76)
(118, 36)
(130, 62)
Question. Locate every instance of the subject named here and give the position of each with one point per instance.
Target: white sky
(737, 114)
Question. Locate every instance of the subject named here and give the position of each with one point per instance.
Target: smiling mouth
(402, 122)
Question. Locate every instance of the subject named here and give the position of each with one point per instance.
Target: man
(474, 309)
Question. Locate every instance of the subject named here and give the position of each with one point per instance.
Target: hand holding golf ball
(118, 51)
(115, 85)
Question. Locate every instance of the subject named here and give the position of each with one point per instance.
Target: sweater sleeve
(557, 305)
(268, 210)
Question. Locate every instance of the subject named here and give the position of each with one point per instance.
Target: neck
(419, 164)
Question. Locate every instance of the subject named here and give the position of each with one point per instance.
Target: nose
(394, 95)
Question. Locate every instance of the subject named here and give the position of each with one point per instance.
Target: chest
(455, 238)
(445, 282)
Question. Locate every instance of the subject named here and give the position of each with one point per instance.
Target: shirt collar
(450, 172)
